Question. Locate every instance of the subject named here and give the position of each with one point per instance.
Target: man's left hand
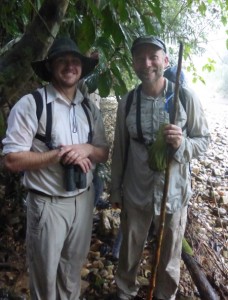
(173, 135)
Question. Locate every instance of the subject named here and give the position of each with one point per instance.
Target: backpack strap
(183, 102)
(138, 111)
(129, 102)
(169, 107)
(86, 108)
(46, 139)
(138, 116)
(39, 103)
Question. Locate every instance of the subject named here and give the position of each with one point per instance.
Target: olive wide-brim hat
(61, 46)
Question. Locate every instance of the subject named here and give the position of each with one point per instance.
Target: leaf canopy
(110, 26)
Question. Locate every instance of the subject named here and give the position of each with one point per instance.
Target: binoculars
(75, 178)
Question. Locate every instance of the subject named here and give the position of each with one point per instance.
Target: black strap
(48, 142)
(39, 103)
(169, 108)
(129, 102)
(138, 111)
(86, 107)
(138, 116)
(46, 139)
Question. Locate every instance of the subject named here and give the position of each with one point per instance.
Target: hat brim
(41, 70)
(157, 45)
(148, 40)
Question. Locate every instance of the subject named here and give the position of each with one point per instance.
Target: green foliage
(104, 83)
(157, 152)
(210, 66)
(195, 76)
(186, 247)
(14, 17)
(86, 34)
(110, 26)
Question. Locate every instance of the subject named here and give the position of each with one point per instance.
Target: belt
(44, 194)
(50, 196)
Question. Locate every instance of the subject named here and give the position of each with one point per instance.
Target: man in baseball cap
(138, 176)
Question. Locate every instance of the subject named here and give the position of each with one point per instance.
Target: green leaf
(104, 83)
(186, 247)
(96, 9)
(92, 82)
(119, 91)
(86, 34)
(156, 9)
(122, 10)
(202, 8)
(107, 22)
(117, 33)
(118, 76)
(224, 20)
(148, 25)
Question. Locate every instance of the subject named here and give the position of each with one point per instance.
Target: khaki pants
(58, 240)
(135, 225)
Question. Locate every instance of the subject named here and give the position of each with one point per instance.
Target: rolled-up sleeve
(22, 126)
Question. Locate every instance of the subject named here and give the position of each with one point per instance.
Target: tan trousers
(135, 224)
(58, 240)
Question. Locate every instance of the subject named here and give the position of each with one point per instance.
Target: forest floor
(206, 230)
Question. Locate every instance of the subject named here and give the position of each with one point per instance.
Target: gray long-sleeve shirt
(142, 187)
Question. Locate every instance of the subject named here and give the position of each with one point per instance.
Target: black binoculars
(75, 178)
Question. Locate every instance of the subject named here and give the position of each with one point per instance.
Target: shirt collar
(53, 94)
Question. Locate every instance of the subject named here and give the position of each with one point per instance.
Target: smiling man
(137, 186)
(57, 172)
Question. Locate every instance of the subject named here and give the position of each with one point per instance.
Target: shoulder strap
(169, 101)
(183, 102)
(86, 107)
(138, 116)
(138, 111)
(48, 141)
(129, 102)
(39, 103)
(182, 97)
(39, 109)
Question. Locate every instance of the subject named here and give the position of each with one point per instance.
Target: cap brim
(147, 43)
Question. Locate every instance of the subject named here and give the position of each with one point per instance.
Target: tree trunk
(15, 65)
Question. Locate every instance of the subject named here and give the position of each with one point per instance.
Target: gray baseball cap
(148, 39)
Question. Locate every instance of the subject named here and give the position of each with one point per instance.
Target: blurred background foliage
(110, 26)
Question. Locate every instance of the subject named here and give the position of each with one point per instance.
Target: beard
(63, 83)
(150, 75)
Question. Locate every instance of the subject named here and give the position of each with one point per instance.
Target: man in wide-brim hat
(60, 47)
(59, 214)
